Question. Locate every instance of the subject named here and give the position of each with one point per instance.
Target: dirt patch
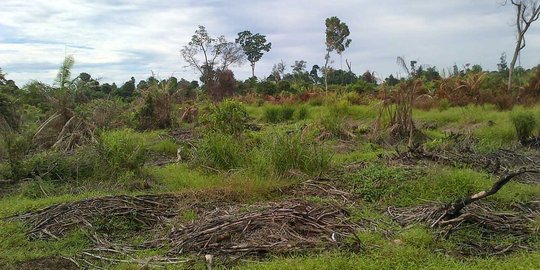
(52, 263)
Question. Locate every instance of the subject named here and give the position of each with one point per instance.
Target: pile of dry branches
(275, 227)
(483, 217)
(498, 162)
(55, 221)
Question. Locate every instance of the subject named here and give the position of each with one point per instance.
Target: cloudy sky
(116, 39)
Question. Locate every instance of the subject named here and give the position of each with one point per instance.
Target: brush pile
(498, 162)
(57, 220)
(275, 227)
(518, 223)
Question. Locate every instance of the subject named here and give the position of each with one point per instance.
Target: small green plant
(276, 114)
(229, 117)
(525, 124)
(220, 151)
(288, 152)
(302, 113)
(123, 149)
(376, 181)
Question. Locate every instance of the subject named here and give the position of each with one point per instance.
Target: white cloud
(117, 39)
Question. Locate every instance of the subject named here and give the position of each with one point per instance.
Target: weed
(123, 149)
(229, 117)
(525, 124)
(287, 152)
(220, 151)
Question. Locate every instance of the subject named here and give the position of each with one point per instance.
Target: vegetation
(359, 172)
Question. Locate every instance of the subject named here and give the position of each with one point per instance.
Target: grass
(252, 165)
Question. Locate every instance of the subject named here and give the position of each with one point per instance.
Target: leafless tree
(527, 11)
(210, 55)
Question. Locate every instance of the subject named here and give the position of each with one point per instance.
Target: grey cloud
(120, 38)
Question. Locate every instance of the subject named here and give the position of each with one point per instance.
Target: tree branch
(454, 210)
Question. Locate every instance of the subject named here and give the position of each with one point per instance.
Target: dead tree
(452, 213)
(527, 11)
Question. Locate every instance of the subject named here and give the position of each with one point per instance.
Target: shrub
(361, 86)
(229, 117)
(284, 86)
(286, 113)
(302, 113)
(156, 109)
(220, 151)
(276, 114)
(271, 114)
(123, 149)
(504, 102)
(444, 104)
(267, 88)
(286, 152)
(525, 124)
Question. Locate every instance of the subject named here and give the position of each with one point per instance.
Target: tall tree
(337, 34)
(527, 12)
(254, 46)
(63, 78)
(210, 55)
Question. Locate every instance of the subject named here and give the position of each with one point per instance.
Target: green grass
(397, 257)
(16, 246)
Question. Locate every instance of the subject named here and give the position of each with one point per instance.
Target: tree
(63, 78)
(254, 46)
(527, 11)
(336, 40)
(278, 71)
(210, 55)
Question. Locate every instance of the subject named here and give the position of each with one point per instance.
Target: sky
(114, 40)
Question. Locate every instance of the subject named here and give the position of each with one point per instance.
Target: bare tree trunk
(252, 70)
(327, 58)
(519, 47)
(527, 12)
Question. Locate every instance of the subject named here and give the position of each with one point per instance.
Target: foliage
(525, 124)
(155, 111)
(275, 114)
(337, 33)
(267, 88)
(220, 152)
(217, 54)
(288, 152)
(229, 117)
(254, 46)
(123, 149)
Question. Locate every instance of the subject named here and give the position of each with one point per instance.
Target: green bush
(302, 113)
(267, 88)
(361, 86)
(284, 86)
(377, 181)
(286, 113)
(525, 124)
(284, 153)
(123, 149)
(220, 151)
(276, 114)
(229, 117)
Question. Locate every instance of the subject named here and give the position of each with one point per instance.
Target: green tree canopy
(254, 46)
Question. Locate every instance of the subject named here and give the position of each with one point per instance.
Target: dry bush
(504, 101)
(224, 86)
(154, 108)
(425, 102)
(461, 91)
(397, 107)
